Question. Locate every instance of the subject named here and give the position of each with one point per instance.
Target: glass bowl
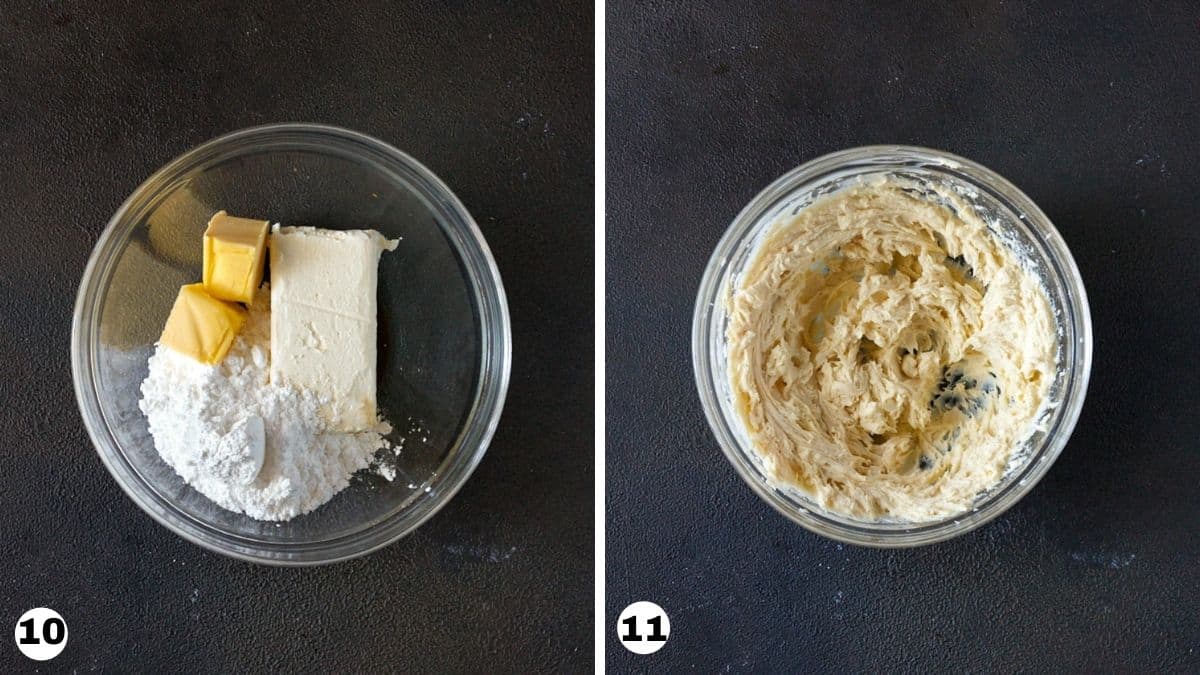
(444, 336)
(1020, 225)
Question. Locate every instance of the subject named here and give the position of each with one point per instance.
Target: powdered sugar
(239, 456)
(192, 408)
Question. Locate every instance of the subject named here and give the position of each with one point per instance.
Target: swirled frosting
(888, 352)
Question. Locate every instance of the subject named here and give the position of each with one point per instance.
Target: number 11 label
(643, 627)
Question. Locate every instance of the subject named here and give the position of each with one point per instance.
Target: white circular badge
(41, 634)
(643, 627)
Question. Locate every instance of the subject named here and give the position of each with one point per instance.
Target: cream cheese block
(323, 318)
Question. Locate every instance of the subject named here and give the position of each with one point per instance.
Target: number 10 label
(41, 634)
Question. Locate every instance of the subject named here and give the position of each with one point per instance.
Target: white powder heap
(201, 420)
(239, 456)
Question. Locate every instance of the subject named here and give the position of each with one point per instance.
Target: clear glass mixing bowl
(1020, 224)
(444, 336)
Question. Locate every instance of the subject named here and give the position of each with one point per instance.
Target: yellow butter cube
(201, 326)
(233, 256)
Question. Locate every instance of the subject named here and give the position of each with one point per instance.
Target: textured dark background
(496, 98)
(1095, 113)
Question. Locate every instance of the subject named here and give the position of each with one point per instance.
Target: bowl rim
(478, 426)
(716, 281)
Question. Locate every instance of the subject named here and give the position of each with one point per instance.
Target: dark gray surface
(1095, 113)
(496, 101)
